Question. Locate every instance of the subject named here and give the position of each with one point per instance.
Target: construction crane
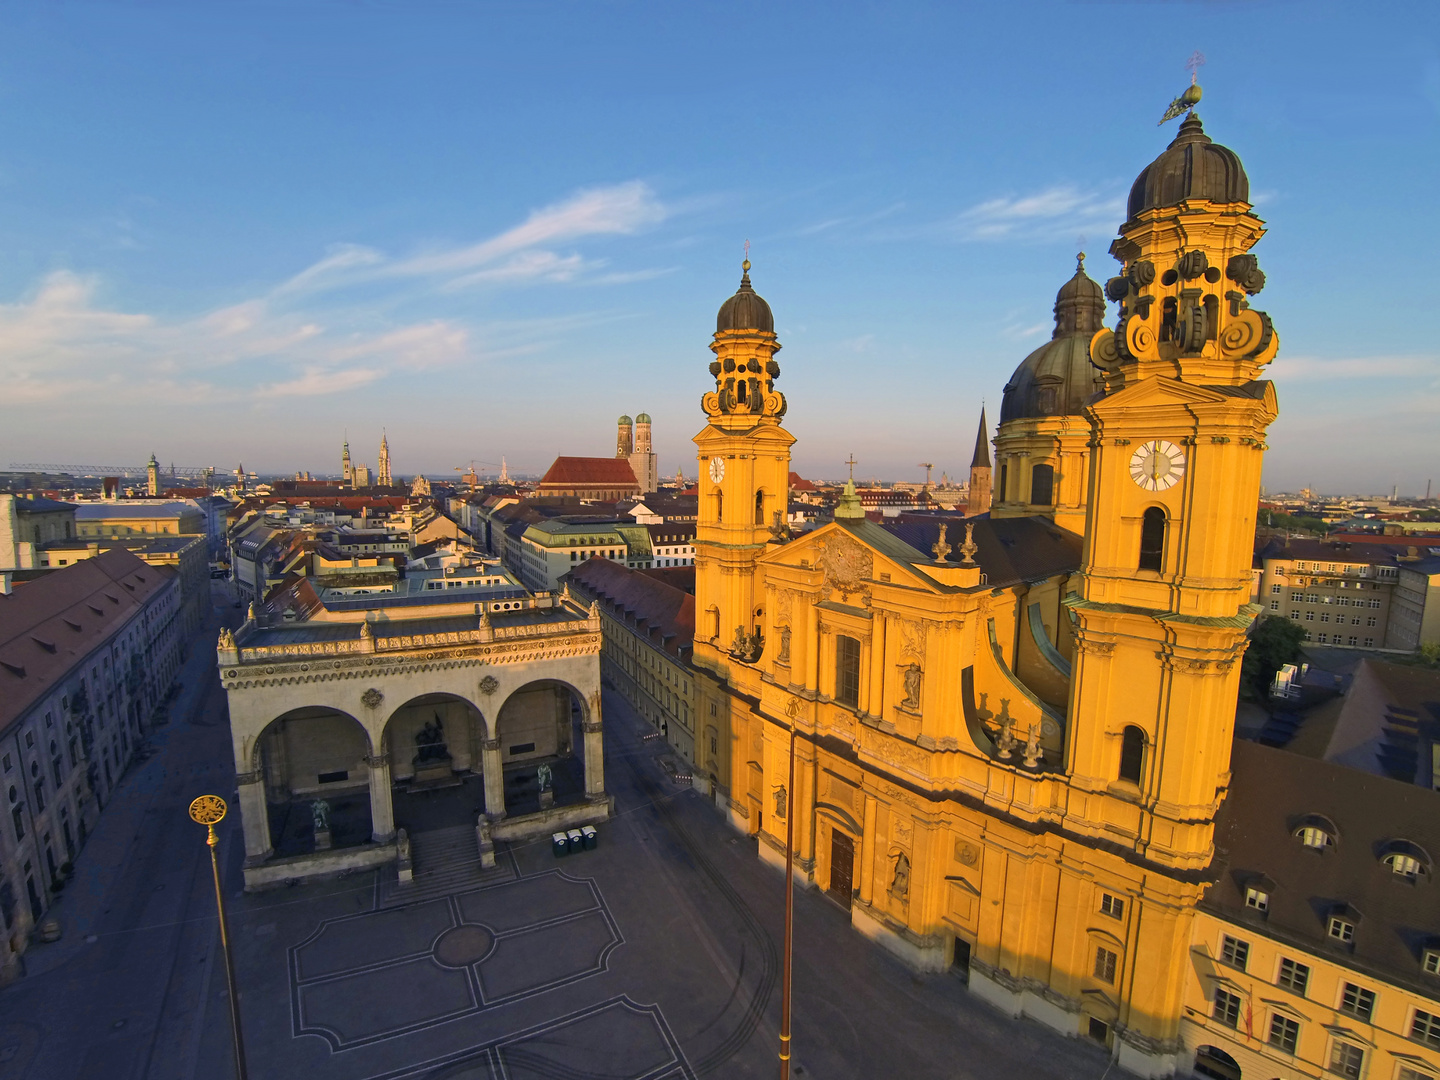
(200, 471)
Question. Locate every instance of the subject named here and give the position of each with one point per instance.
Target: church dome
(1057, 379)
(625, 421)
(1191, 167)
(746, 310)
(643, 418)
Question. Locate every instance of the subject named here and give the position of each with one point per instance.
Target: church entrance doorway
(842, 868)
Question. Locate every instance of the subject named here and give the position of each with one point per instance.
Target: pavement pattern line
(544, 1050)
(552, 941)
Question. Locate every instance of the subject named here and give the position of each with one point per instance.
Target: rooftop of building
(1273, 795)
(154, 545)
(41, 505)
(134, 508)
(655, 608)
(1310, 549)
(1009, 550)
(51, 624)
(387, 631)
(606, 472)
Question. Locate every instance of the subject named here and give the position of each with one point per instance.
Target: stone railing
(230, 651)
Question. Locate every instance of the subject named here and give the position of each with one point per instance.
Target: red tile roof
(50, 625)
(799, 483)
(596, 471)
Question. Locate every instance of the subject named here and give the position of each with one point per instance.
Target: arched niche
(434, 730)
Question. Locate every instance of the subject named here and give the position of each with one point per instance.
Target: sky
(243, 232)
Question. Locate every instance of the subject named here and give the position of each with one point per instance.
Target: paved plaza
(654, 956)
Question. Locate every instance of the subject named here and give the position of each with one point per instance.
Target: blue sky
(234, 232)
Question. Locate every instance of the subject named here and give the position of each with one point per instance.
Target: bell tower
(1176, 446)
(744, 464)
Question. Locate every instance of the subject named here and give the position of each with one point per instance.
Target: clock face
(717, 469)
(1158, 465)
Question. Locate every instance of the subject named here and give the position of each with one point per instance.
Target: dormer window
(1341, 929)
(1405, 859)
(1405, 866)
(1257, 900)
(1312, 836)
(1430, 961)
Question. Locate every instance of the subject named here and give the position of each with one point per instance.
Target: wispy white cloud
(62, 342)
(1314, 369)
(1056, 212)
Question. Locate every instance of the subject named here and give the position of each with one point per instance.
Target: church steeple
(347, 471)
(979, 491)
(384, 479)
(744, 467)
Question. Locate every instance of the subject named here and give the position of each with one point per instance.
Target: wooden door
(842, 867)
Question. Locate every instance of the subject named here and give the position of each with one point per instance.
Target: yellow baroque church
(1013, 732)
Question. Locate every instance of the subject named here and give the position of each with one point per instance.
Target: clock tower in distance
(744, 468)
(1177, 442)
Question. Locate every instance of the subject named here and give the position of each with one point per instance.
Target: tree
(1273, 644)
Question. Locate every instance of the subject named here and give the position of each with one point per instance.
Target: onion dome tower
(1042, 444)
(744, 485)
(625, 437)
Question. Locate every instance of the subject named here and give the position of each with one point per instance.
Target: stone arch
(457, 720)
(308, 754)
(546, 722)
(1213, 1062)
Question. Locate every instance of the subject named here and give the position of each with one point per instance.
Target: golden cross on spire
(851, 462)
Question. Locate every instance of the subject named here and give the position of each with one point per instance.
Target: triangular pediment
(852, 553)
(1161, 391)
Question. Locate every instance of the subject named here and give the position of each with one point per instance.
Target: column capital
(492, 744)
(592, 728)
(378, 761)
(243, 778)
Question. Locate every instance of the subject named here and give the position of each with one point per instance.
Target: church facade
(1012, 737)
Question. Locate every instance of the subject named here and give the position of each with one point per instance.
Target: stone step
(443, 861)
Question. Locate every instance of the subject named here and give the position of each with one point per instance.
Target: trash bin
(590, 837)
(576, 841)
(559, 844)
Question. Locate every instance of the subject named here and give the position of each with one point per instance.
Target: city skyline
(389, 230)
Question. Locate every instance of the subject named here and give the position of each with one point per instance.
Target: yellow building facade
(1011, 743)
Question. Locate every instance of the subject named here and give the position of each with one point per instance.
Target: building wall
(1383, 1038)
(1415, 611)
(61, 760)
(1340, 600)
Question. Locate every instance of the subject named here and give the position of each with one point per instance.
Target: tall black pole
(785, 984)
(208, 810)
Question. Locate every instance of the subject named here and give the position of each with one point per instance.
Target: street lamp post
(789, 948)
(209, 810)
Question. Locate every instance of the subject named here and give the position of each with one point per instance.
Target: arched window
(740, 391)
(1042, 485)
(1004, 476)
(760, 508)
(719, 506)
(1152, 540)
(1132, 754)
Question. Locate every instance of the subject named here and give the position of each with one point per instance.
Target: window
(1309, 616)
(1274, 605)
(1341, 929)
(1370, 621)
(1275, 590)
(1407, 1073)
(1112, 906)
(1255, 898)
(1325, 637)
(1312, 836)
(759, 508)
(1227, 1008)
(1425, 1028)
(1234, 951)
(1406, 866)
(1369, 641)
(1105, 962)
(1295, 615)
(1284, 1033)
(1347, 1060)
(1374, 603)
(1324, 616)
(1294, 976)
(1042, 485)
(1004, 475)
(1132, 754)
(1357, 1001)
(847, 671)
(1152, 539)
(1431, 961)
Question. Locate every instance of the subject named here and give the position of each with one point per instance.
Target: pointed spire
(981, 460)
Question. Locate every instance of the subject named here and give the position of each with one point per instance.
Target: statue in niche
(912, 688)
(430, 742)
(780, 799)
(320, 814)
(900, 882)
(784, 657)
(543, 777)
